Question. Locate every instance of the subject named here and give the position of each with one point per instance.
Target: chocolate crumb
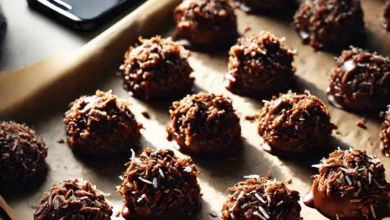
(247, 29)
(145, 114)
(250, 117)
(213, 215)
(289, 181)
(61, 141)
(361, 123)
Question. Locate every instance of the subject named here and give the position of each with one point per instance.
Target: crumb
(269, 176)
(118, 213)
(213, 215)
(361, 123)
(289, 181)
(250, 117)
(61, 141)
(247, 29)
(338, 132)
(145, 114)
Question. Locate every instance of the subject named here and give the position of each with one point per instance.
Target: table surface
(31, 36)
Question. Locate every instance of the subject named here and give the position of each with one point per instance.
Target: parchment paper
(313, 70)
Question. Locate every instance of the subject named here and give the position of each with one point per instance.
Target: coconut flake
(369, 178)
(279, 203)
(259, 215)
(316, 165)
(373, 211)
(348, 180)
(379, 185)
(145, 181)
(188, 169)
(262, 210)
(132, 154)
(253, 176)
(161, 172)
(259, 198)
(155, 183)
(121, 177)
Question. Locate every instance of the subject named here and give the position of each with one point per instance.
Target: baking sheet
(313, 70)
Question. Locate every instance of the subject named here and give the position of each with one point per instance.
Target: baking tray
(39, 96)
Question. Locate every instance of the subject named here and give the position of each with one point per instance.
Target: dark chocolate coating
(350, 185)
(294, 123)
(277, 202)
(73, 199)
(157, 69)
(22, 152)
(206, 24)
(101, 125)
(330, 24)
(259, 65)
(257, 6)
(360, 82)
(204, 124)
(157, 184)
(386, 16)
(385, 134)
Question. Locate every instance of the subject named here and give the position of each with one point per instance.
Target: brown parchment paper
(94, 67)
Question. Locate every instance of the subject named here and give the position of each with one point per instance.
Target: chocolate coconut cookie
(386, 16)
(260, 198)
(385, 134)
(206, 24)
(263, 5)
(22, 152)
(204, 124)
(350, 185)
(259, 65)
(157, 69)
(73, 199)
(330, 24)
(101, 124)
(294, 123)
(160, 185)
(360, 82)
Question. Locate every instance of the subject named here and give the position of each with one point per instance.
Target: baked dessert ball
(259, 65)
(350, 185)
(158, 184)
(206, 24)
(263, 5)
(294, 123)
(157, 69)
(385, 134)
(360, 82)
(330, 24)
(22, 152)
(204, 124)
(101, 124)
(260, 198)
(386, 16)
(73, 199)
